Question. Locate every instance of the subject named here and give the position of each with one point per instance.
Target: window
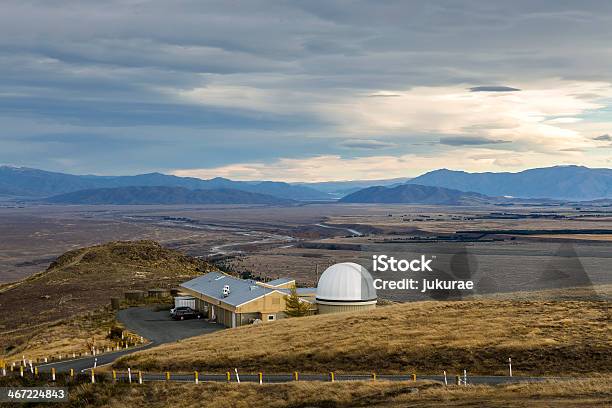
(271, 317)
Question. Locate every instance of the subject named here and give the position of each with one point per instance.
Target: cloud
(366, 144)
(493, 89)
(469, 141)
(336, 167)
(279, 82)
(603, 138)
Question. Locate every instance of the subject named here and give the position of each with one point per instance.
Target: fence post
(195, 376)
(464, 377)
(139, 377)
(374, 376)
(237, 376)
(510, 365)
(114, 376)
(52, 373)
(332, 377)
(93, 376)
(445, 381)
(72, 374)
(167, 375)
(129, 375)
(3, 365)
(260, 378)
(21, 370)
(36, 371)
(228, 376)
(414, 377)
(296, 376)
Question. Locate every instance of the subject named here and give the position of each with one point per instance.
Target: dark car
(184, 313)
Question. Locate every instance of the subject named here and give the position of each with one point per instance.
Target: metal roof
(241, 290)
(279, 281)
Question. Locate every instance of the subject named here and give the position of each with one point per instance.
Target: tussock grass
(543, 337)
(592, 392)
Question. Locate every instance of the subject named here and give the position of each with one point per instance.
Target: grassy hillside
(593, 392)
(542, 337)
(83, 281)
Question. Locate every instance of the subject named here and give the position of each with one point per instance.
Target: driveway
(159, 328)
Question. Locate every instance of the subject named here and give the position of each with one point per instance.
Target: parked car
(184, 312)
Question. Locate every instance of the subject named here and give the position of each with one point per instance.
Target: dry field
(68, 300)
(590, 392)
(543, 337)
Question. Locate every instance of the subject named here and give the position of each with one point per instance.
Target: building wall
(323, 309)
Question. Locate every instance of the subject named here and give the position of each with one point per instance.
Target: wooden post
(195, 376)
(445, 381)
(167, 375)
(296, 376)
(260, 378)
(228, 377)
(510, 365)
(374, 376)
(332, 377)
(72, 373)
(21, 370)
(114, 376)
(129, 375)
(139, 377)
(414, 377)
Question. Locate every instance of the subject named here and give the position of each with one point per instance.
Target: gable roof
(241, 290)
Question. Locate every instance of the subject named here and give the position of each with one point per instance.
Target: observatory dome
(346, 285)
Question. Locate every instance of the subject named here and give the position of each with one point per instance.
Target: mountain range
(575, 183)
(27, 182)
(148, 195)
(558, 182)
(415, 194)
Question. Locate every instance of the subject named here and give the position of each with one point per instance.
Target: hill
(163, 195)
(551, 337)
(84, 280)
(559, 182)
(23, 181)
(415, 194)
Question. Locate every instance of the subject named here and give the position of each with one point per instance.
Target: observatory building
(345, 287)
(234, 302)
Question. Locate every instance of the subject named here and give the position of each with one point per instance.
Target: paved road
(284, 378)
(158, 327)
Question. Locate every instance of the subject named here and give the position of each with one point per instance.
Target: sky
(304, 90)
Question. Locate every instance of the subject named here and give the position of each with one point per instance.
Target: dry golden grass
(65, 306)
(76, 335)
(542, 336)
(580, 393)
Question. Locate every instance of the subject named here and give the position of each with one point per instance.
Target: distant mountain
(163, 195)
(23, 181)
(559, 182)
(415, 194)
(342, 188)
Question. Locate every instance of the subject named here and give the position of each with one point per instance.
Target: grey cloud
(119, 64)
(366, 144)
(469, 141)
(493, 89)
(604, 138)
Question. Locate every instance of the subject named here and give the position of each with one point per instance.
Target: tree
(294, 306)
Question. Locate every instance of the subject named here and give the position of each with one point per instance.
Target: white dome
(346, 282)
